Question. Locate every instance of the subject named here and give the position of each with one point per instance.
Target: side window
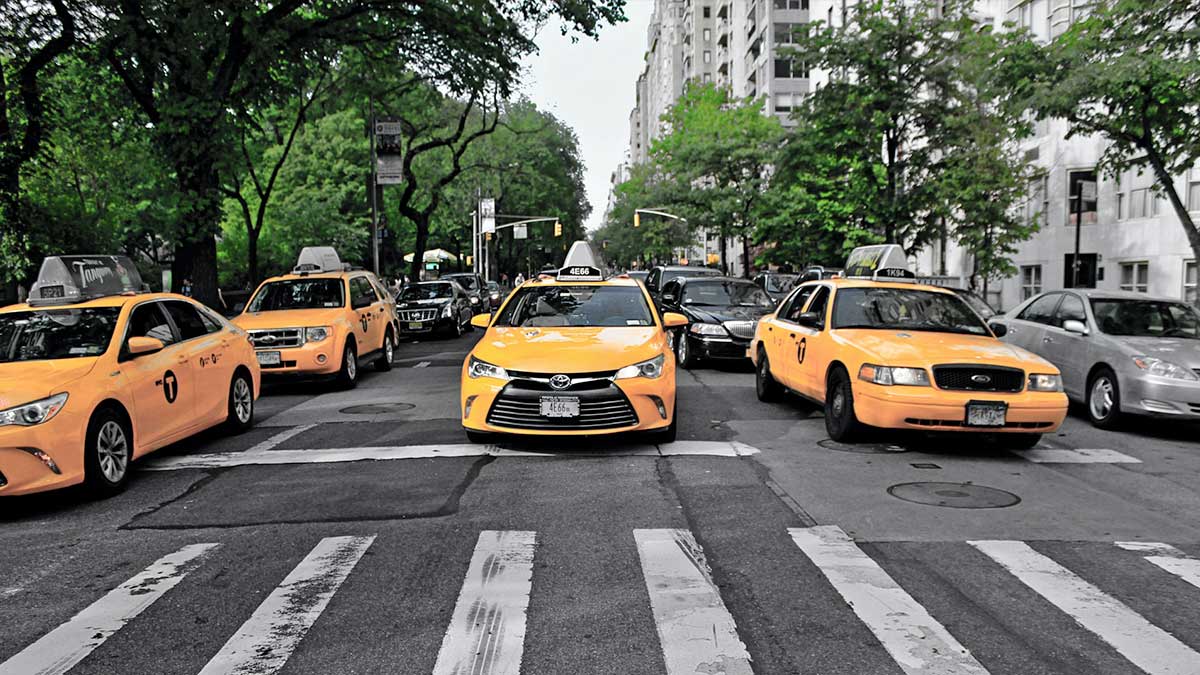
(186, 319)
(1071, 308)
(1042, 309)
(820, 303)
(148, 320)
(361, 293)
(212, 322)
(796, 305)
(652, 280)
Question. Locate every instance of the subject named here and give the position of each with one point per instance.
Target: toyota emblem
(560, 381)
(981, 379)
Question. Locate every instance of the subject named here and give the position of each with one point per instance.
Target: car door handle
(791, 335)
(181, 359)
(769, 329)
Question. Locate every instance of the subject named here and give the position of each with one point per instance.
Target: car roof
(1098, 294)
(676, 268)
(709, 279)
(106, 301)
(548, 280)
(291, 276)
(843, 282)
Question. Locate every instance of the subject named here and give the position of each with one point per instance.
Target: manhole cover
(377, 408)
(861, 448)
(954, 495)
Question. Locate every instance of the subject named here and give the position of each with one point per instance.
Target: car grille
(277, 338)
(743, 330)
(519, 407)
(967, 378)
(418, 314)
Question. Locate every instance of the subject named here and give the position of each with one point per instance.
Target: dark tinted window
(1042, 309)
(361, 292)
(56, 333)
(187, 319)
(820, 303)
(148, 320)
(576, 306)
(1070, 309)
(298, 294)
(467, 281)
(1146, 318)
(905, 309)
(427, 291)
(726, 294)
(795, 306)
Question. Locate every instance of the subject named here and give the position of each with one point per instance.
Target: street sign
(1088, 189)
(487, 215)
(520, 232)
(389, 151)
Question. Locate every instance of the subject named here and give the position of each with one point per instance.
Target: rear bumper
(934, 409)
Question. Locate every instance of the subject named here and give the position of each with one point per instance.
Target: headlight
(477, 369)
(651, 369)
(886, 375)
(1163, 368)
(447, 310)
(33, 413)
(474, 300)
(316, 333)
(1044, 382)
(707, 329)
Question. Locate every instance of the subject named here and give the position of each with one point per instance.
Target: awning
(434, 255)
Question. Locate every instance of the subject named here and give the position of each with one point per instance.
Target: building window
(707, 34)
(708, 77)
(786, 68)
(708, 57)
(1193, 189)
(791, 4)
(1137, 202)
(1088, 270)
(1191, 288)
(1037, 205)
(1074, 179)
(1031, 281)
(1135, 276)
(785, 33)
(707, 12)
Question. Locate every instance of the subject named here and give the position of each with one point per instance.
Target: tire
(241, 404)
(1019, 441)
(388, 352)
(1104, 399)
(841, 423)
(108, 453)
(480, 437)
(347, 377)
(684, 354)
(765, 385)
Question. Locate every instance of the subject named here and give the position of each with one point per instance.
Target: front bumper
(718, 347)
(1160, 397)
(60, 441)
(313, 359)
(933, 409)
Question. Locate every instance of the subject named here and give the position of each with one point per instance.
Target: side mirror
(481, 320)
(674, 320)
(999, 329)
(810, 320)
(141, 346)
(1075, 326)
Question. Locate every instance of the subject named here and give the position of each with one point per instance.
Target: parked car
(434, 307)
(495, 297)
(722, 313)
(1119, 352)
(817, 273)
(776, 284)
(474, 286)
(977, 303)
(638, 275)
(664, 273)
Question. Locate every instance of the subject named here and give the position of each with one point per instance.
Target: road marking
(281, 437)
(916, 641)
(59, 650)
(263, 644)
(1145, 645)
(423, 364)
(486, 635)
(379, 453)
(1169, 558)
(695, 629)
(1076, 456)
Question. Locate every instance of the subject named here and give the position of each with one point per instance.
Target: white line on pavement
(59, 650)
(918, 643)
(1145, 645)
(696, 631)
(1169, 558)
(281, 437)
(423, 364)
(263, 644)
(486, 635)
(1076, 456)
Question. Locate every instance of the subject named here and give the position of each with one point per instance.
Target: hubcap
(1102, 398)
(683, 348)
(243, 401)
(839, 402)
(388, 350)
(351, 364)
(112, 451)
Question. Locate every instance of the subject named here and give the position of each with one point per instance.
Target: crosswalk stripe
(423, 364)
(267, 639)
(59, 650)
(1076, 456)
(917, 642)
(280, 437)
(1145, 645)
(1169, 558)
(695, 629)
(486, 635)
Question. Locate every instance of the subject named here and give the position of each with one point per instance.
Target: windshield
(466, 281)
(904, 309)
(576, 306)
(779, 283)
(425, 292)
(298, 294)
(689, 273)
(1146, 318)
(725, 294)
(56, 333)
(985, 310)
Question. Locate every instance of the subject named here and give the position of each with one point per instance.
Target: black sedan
(723, 313)
(433, 307)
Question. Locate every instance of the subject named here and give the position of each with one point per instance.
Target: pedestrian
(504, 279)
(186, 287)
(519, 280)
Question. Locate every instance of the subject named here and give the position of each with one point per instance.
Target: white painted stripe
(486, 635)
(59, 650)
(265, 642)
(423, 364)
(695, 629)
(918, 643)
(333, 455)
(1076, 456)
(1169, 558)
(281, 437)
(1145, 645)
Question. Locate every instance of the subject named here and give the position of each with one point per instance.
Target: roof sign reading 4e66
(580, 273)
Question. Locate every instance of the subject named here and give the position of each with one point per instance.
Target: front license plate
(269, 358)
(560, 406)
(986, 414)
(414, 325)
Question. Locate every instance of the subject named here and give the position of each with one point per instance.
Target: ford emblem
(560, 381)
(981, 379)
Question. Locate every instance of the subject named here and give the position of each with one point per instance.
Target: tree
(1128, 72)
(657, 238)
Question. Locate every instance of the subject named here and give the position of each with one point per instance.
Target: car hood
(1182, 351)
(569, 350)
(27, 381)
(290, 318)
(709, 314)
(926, 349)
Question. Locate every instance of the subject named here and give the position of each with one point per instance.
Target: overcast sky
(589, 85)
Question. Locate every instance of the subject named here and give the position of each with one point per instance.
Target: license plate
(986, 414)
(414, 325)
(269, 358)
(560, 406)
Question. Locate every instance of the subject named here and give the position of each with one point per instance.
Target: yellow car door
(362, 300)
(812, 344)
(205, 347)
(781, 337)
(161, 383)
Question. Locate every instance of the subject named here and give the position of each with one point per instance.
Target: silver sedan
(1118, 352)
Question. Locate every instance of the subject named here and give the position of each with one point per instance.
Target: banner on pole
(389, 151)
(487, 215)
(520, 232)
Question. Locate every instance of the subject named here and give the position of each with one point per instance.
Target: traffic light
(489, 236)
(557, 229)
(637, 219)
(470, 260)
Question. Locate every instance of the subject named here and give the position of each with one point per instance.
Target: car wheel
(108, 451)
(348, 376)
(480, 437)
(684, 354)
(765, 385)
(384, 362)
(241, 404)
(1104, 399)
(841, 423)
(1019, 441)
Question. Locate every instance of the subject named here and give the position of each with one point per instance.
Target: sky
(590, 86)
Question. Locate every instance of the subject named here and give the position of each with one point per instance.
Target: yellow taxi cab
(877, 349)
(97, 373)
(572, 354)
(322, 320)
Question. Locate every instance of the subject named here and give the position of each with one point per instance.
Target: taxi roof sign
(880, 261)
(68, 279)
(316, 259)
(580, 273)
(581, 264)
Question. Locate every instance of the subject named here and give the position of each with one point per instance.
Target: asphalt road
(357, 532)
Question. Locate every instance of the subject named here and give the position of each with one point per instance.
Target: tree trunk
(200, 218)
(252, 257)
(745, 257)
(1167, 183)
(418, 261)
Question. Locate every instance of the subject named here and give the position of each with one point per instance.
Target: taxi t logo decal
(170, 386)
(366, 320)
(801, 350)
